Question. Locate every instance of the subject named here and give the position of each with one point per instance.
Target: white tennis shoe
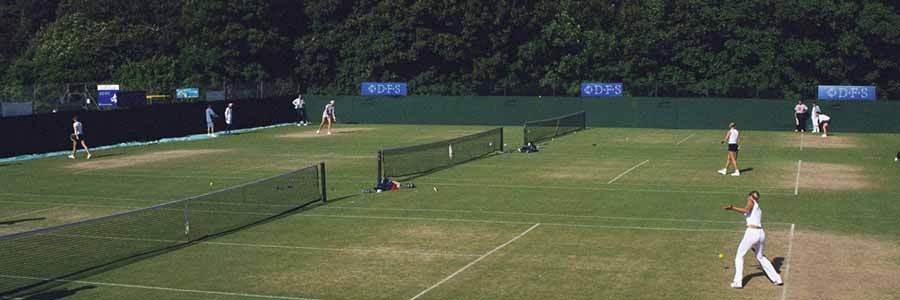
(722, 171)
(71, 156)
(736, 285)
(736, 173)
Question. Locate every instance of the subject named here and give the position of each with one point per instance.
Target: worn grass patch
(334, 131)
(140, 159)
(831, 266)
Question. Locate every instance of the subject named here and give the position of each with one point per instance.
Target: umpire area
(605, 213)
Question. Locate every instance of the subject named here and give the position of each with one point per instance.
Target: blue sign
(846, 93)
(187, 93)
(593, 89)
(106, 94)
(384, 89)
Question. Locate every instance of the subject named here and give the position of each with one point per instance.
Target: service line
(627, 171)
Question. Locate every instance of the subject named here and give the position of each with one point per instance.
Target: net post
(380, 165)
(525, 134)
(322, 181)
(501, 140)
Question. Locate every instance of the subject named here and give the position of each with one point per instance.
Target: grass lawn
(607, 213)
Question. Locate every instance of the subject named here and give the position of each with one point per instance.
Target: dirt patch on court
(335, 131)
(140, 159)
(826, 176)
(829, 266)
(831, 142)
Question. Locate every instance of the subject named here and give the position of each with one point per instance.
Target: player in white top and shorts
(328, 116)
(824, 120)
(732, 137)
(77, 136)
(754, 238)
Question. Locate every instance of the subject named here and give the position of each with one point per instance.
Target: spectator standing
(816, 110)
(300, 107)
(229, 112)
(800, 116)
(210, 117)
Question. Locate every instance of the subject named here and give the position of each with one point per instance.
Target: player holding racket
(733, 138)
(754, 238)
(77, 136)
(328, 116)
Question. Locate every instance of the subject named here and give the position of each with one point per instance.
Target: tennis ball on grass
(210, 183)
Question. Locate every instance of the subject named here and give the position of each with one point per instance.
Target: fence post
(380, 158)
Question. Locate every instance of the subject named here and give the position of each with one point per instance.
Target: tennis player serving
(754, 238)
(328, 116)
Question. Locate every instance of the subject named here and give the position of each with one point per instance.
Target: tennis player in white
(733, 137)
(816, 110)
(754, 238)
(824, 121)
(77, 137)
(328, 116)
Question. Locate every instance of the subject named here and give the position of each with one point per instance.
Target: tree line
(690, 48)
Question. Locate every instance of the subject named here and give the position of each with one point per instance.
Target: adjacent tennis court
(603, 213)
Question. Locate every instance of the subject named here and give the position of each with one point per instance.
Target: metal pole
(380, 158)
(322, 179)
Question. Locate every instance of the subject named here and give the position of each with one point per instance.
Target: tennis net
(36, 260)
(540, 130)
(420, 159)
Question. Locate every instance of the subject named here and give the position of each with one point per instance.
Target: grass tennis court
(606, 213)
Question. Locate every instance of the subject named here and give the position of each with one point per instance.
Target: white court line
(684, 139)
(521, 223)
(489, 212)
(147, 287)
(787, 265)
(797, 183)
(571, 188)
(30, 212)
(247, 245)
(627, 171)
(474, 262)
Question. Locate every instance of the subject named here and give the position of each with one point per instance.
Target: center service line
(474, 262)
(684, 139)
(626, 171)
(797, 183)
(787, 265)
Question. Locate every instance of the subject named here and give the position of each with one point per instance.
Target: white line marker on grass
(797, 183)
(147, 287)
(684, 139)
(627, 171)
(787, 265)
(474, 262)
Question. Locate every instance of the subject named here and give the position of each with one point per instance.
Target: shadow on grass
(13, 222)
(776, 263)
(58, 293)
(746, 170)
(9, 164)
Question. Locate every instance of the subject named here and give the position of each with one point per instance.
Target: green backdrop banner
(644, 112)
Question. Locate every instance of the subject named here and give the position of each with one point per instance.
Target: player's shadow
(9, 164)
(776, 263)
(56, 294)
(745, 170)
(13, 222)
(105, 155)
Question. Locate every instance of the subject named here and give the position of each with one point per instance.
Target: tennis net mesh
(420, 159)
(31, 261)
(540, 130)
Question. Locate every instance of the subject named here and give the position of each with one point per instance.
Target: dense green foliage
(751, 48)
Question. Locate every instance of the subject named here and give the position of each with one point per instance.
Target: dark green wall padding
(642, 112)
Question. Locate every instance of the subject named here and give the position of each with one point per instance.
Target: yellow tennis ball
(721, 256)
(210, 183)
